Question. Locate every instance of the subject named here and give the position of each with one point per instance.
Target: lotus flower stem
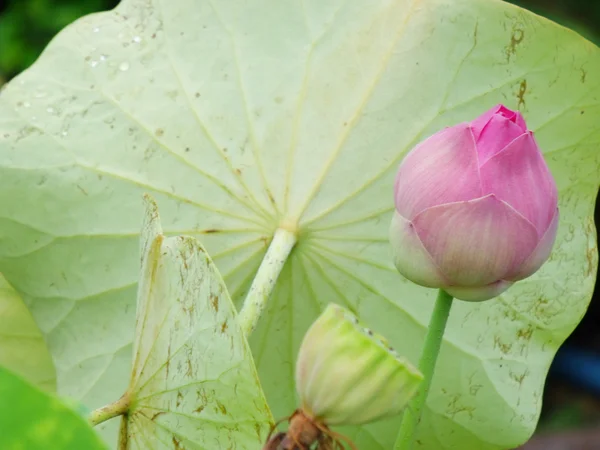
(429, 355)
(265, 279)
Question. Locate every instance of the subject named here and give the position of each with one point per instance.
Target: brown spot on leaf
(525, 333)
(221, 407)
(168, 359)
(521, 94)
(211, 230)
(190, 370)
(159, 132)
(516, 38)
(177, 444)
(179, 398)
(520, 377)
(214, 301)
(224, 327)
(199, 409)
(583, 75)
(590, 255)
(201, 395)
(504, 348)
(157, 414)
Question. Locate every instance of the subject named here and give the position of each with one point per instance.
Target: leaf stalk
(264, 282)
(109, 411)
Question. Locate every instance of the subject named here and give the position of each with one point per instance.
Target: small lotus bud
(476, 207)
(346, 374)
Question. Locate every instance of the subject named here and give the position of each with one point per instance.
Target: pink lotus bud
(476, 207)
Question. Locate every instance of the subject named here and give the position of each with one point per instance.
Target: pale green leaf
(22, 346)
(31, 419)
(240, 117)
(193, 384)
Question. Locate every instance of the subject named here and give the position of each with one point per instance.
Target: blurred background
(571, 412)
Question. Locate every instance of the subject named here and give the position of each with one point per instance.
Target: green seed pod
(346, 374)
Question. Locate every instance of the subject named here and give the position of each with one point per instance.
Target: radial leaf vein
(301, 100)
(243, 94)
(141, 372)
(186, 385)
(77, 163)
(208, 135)
(367, 286)
(171, 431)
(184, 345)
(357, 114)
(196, 418)
(328, 280)
(387, 268)
(177, 156)
(242, 263)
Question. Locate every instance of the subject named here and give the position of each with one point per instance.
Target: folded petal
(519, 176)
(441, 169)
(500, 110)
(497, 134)
(478, 293)
(480, 122)
(519, 120)
(475, 243)
(539, 255)
(410, 257)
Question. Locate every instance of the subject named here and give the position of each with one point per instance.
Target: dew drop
(40, 94)
(33, 118)
(50, 109)
(137, 39)
(63, 133)
(124, 66)
(93, 63)
(26, 104)
(103, 57)
(96, 29)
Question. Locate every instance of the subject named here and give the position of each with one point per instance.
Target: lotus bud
(346, 374)
(475, 208)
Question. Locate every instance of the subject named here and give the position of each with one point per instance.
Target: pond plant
(321, 170)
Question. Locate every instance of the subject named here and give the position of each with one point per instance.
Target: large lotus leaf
(34, 420)
(194, 384)
(22, 346)
(240, 117)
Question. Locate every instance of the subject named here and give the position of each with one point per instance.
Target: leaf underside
(193, 384)
(240, 118)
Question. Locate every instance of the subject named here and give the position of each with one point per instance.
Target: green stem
(266, 277)
(109, 411)
(429, 355)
